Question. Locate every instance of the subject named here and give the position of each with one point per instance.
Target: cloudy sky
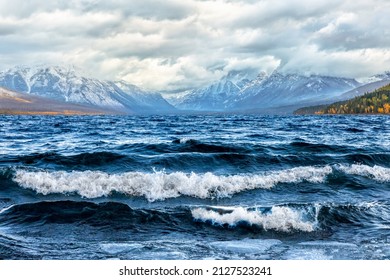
(174, 45)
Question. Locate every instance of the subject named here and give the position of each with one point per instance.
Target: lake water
(195, 187)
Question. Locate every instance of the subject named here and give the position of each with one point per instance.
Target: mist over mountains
(277, 92)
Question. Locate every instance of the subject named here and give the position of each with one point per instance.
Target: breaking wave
(315, 218)
(222, 187)
(290, 218)
(378, 173)
(279, 218)
(160, 185)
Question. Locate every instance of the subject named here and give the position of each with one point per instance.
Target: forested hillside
(376, 102)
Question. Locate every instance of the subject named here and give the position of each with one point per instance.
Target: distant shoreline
(49, 113)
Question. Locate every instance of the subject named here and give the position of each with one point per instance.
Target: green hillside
(376, 102)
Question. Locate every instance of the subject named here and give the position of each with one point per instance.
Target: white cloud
(352, 63)
(173, 44)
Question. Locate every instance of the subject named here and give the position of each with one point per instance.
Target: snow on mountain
(208, 98)
(259, 80)
(214, 97)
(66, 84)
(146, 99)
(376, 78)
(370, 84)
(233, 92)
(288, 89)
(12, 102)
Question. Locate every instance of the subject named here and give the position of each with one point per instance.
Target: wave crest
(279, 218)
(378, 173)
(160, 185)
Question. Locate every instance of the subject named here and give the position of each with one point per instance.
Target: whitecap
(280, 218)
(161, 185)
(378, 173)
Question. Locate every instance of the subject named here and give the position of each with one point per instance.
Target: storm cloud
(175, 45)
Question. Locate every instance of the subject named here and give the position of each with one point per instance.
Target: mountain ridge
(264, 92)
(15, 103)
(65, 84)
(237, 91)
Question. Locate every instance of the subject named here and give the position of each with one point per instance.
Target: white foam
(160, 185)
(185, 140)
(378, 173)
(280, 218)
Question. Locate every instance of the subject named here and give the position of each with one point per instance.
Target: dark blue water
(195, 187)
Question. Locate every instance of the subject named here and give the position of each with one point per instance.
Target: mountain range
(277, 92)
(26, 104)
(214, 97)
(67, 85)
(265, 91)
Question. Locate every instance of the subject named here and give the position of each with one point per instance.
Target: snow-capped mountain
(12, 102)
(66, 84)
(370, 84)
(146, 99)
(214, 97)
(376, 78)
(264, 91)
(289, 89)
(211, 97)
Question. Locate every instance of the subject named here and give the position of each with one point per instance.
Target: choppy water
(195, 187)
